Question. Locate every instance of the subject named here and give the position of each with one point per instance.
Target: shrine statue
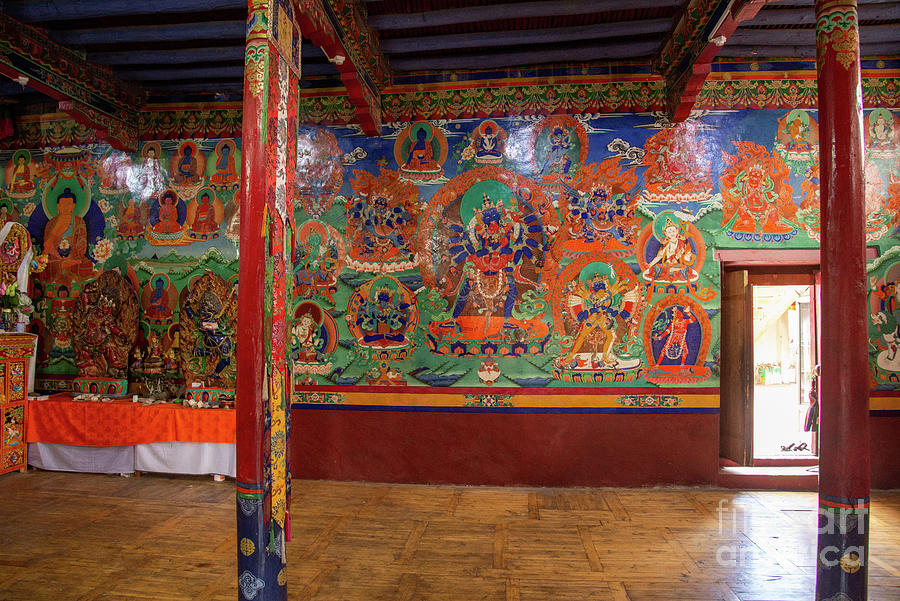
(206, 331)
(17, 260)
(105, 325)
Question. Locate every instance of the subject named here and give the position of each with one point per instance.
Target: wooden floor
(85, 537)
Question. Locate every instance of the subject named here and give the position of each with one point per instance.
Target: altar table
(122, 437)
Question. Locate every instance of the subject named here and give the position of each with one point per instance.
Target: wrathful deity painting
(538, 252)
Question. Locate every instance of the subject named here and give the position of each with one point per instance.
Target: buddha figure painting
(314, 336)
(132, 220)
(559, 149)
(670, 250)
(487, 145)
(756, 195)
(225, 175)
(20, 174)
(485, 254)
(204, 214)
(186, 169)
(168, 214)
(420, 150)
(381, 222)
(147, 179)
(319, 257)
(678, 168)
(382, 314)
(676, 341)
(599, 311)
(114, 169)
(797, 141)
(601, 210)
(158, 300)
(66, 234)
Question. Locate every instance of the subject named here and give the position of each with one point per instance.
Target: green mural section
(166, 218)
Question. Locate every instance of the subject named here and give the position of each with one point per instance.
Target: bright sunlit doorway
(784, 359)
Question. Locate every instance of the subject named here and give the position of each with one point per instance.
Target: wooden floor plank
(94, 537)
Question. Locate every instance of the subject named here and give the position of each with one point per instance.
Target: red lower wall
(541, 449)
(885, 451)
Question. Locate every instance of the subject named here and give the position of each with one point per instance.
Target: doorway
(784, 359)
(769, 348)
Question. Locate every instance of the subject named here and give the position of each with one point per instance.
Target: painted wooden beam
(472, 14)
(161, 34)
(754, 51)
(867, 33)
(90, 94)
(339, 28)
(525, 37)
(777, 15)
(51, 10)
(687, 56)
(594, 52)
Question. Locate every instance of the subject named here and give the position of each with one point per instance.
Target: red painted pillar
(844, 415)
(261, 574)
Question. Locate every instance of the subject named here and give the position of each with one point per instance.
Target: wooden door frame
(762, 267)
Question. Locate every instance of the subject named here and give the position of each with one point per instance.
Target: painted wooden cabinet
(15, 355)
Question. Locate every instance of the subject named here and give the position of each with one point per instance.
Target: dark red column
(261, 575)
(844, 416)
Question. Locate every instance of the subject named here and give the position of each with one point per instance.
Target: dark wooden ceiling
(193, 50)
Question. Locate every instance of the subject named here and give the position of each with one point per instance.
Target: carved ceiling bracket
(339, 28)
(90, 94)
(686, 58)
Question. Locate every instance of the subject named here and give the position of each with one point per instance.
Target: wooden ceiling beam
(776, 15)
(520, 10)
(807, 36)
(89, 94)
(157, 34)
(804, 51)
(487, 60)
(686, 58)
(525, 37)
(339, 28)
(72, 10)
(169, 57)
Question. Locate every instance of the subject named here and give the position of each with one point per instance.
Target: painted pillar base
(843, 552)
(262, 573)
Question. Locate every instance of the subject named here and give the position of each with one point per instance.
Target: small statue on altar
(105, 327)
(206, 332)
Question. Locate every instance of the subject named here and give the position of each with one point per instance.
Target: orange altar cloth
(89, 423)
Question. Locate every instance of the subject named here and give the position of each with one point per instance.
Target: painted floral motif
(649, 400)
(488, 400)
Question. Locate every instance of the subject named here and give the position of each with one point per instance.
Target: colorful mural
(565, 251)
(92, 210)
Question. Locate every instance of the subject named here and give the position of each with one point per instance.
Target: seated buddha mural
(168, 214)
(204, 214)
